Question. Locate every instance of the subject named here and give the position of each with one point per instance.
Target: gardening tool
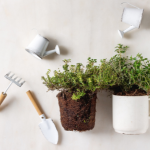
(10, 76)
(47, 126)
(38, 47)
(131, 16)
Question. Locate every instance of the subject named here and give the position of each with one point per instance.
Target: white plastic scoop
(47, 126)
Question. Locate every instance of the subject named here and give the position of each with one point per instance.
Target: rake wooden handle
(2, 97)
(34, 103)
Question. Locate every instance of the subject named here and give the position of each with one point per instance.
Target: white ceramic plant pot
(130, 114)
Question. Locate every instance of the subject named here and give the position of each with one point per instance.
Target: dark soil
(77, 115)
(134, 91)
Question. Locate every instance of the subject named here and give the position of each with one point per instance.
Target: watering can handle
(130, 4)
(34, 102)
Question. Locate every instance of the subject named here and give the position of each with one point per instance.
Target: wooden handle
(2, 97)
(33, 102)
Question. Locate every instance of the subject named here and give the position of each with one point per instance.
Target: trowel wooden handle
(2, 97)
(33, 102)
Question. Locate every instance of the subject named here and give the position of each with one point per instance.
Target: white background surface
(81, 28)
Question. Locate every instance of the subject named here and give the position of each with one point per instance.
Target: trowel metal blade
(49, 130)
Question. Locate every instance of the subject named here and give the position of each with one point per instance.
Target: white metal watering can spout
(38, 47)
(131, 16)
(56, 50)
(121, 33)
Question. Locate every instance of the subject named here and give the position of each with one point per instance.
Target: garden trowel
(47, 126)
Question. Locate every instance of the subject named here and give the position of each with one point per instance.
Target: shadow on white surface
(7, 103)
(103, 122)
(57, 124)
(146, 21)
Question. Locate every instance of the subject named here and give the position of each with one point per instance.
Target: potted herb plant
(77, 86)
(131, 90)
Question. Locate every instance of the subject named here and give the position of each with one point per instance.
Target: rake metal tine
(19, 80)
(8, 73)
(12, 76)
(22, 82)
(15, 78)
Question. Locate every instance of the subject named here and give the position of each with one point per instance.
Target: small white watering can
(38, 47)
(131, 16)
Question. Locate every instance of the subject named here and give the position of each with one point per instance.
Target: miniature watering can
(38, 47)
(131, 16)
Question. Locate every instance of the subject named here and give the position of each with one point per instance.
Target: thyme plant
(133, 73)
(80, 80)
(121, 73)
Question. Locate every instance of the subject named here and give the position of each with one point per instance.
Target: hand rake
(15, 80)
